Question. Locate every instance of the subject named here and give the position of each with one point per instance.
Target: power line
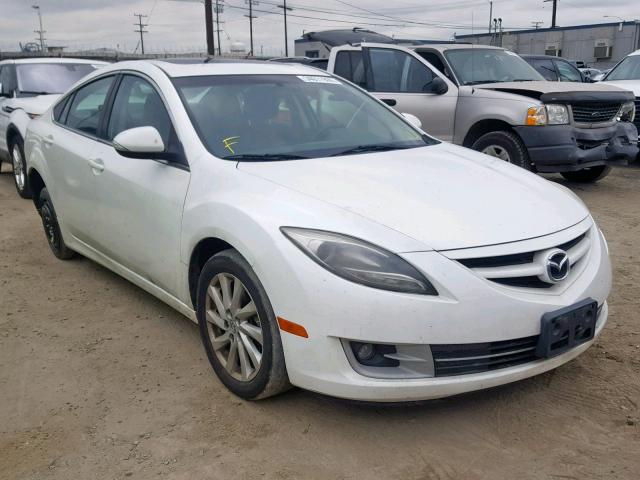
(141, 29)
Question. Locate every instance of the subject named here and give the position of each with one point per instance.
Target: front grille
(636, 122)
(463, 359)
(523, 270)
(600, 112)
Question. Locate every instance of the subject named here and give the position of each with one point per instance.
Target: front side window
(250, 117)
(86, 108)
(546, 69)
(49, 78)
(568, 73)
(395, 71)
(627, 69)
(349, 65)
(474, 66)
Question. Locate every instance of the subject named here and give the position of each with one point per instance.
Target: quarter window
(87, 105)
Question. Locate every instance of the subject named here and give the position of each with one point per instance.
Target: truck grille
(636, 122)
(523, 270)
(463, 359)
(601, 112)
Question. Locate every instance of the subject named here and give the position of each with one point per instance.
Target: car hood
(444, 196)
(35, 105)
(537, 89)
(631, 85)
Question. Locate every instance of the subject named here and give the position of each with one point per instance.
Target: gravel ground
(99, 380)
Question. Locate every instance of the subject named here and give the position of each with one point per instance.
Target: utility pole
(219, 8)
(555, 10)
(208, 18)
(286, 38)
(251, 17)
(141, 29)
(40, 32)
(490, 15)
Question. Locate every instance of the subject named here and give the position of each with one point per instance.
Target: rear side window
(349, 65)
(87, 106)
(546, 69)
(568, 73)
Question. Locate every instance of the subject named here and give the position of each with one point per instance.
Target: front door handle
(96, 164)
(390, 101)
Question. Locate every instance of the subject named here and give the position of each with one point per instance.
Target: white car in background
(626, 75)
(319, 238)
(28, 87)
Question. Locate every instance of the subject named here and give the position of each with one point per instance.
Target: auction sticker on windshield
(318, 79)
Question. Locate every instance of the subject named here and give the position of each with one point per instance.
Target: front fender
(18, 121)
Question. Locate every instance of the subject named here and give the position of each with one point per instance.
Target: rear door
(404, 80)
(69, 149)
(141, 200)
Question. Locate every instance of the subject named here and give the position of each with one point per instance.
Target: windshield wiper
(385, 147)
(477, 82)
(258, 157)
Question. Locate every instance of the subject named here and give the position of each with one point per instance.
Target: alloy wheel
(498, 152)
(234, 327)
(18, 167)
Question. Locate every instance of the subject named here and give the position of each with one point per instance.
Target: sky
(178, 25)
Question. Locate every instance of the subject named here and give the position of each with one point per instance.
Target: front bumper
(565, 148)
(468, 309)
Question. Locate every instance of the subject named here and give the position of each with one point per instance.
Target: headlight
(627, 112)
(359, 261)
(551, 114)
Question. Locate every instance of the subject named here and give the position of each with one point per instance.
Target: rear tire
(506, 146)
(248, 357)
(52, 229)
(20, 179)
(588, 175)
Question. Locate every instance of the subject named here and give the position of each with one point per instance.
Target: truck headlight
(627, 112)
(551, 114)
(359, 261)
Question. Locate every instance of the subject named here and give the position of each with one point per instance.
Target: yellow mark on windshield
(229, 142)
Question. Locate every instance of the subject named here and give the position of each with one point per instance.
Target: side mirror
(413, 120)
(439, 86)
(141, 142)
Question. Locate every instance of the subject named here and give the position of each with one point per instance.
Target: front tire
(20, 180)
(52, 228)
(239, 329)
(506, 146)
(588, 175)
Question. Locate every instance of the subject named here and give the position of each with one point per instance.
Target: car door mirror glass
(439, 86)
(413, 120)
(140, 142)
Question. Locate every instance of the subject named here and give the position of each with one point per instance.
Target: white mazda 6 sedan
(319, 238)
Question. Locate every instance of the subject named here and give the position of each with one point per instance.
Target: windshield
(280, 117)
(627, 69)
(50, 78)
(482, 65)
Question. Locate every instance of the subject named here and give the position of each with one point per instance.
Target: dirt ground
(99, 380)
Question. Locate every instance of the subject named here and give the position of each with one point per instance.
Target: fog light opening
(374, 355)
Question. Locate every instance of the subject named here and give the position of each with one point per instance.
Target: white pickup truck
(491, 100)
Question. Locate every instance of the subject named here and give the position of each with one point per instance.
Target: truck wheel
(588, 175)
(16, 149)
(506, 146)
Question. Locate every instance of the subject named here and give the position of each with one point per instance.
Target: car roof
(233, 67)
(453, 46)
(550, 57)
(19, 61)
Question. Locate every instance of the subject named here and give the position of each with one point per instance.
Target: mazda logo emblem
(557, 266)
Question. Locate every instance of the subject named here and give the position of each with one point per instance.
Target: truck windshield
(289, 117)
(474, 66)
(49, 78)
(627, 69)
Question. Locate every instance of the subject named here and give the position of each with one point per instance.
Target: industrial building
(599, 45)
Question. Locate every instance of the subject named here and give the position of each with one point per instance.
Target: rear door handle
(96, 164)
(390, 101)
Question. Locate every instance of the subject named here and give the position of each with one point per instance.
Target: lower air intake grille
(636, 122)
(463, 359)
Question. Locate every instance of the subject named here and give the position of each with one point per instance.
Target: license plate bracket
(567, 328)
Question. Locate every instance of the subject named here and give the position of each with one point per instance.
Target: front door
(404, 81)
(141, 200)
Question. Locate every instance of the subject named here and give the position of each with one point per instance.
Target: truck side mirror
(439, 86)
